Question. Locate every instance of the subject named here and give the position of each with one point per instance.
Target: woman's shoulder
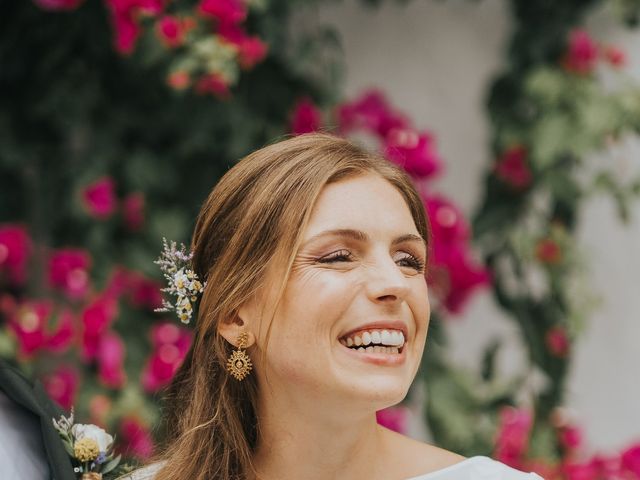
(147, 472)
(478, 467)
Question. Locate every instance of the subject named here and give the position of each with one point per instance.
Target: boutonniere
(90, 449)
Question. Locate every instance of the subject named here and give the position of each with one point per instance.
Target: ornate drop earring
(239, 363)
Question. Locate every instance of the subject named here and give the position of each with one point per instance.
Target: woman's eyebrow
(361, 236)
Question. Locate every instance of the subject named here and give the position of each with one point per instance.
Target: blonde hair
(253, 219)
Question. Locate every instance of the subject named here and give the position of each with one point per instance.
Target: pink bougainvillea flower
(171, 344)
(58, 5)
(615, 56)
(99, 198)
(15, 247)
(213, 83)
(548, 251)
(135, 438)
(62, 337)
(144, 292)
(394, 418)
(169, 30)
(127, 31)
(580, 471)
(456, 275)
(581, 54)
(557, 341)
(512, 438)
(453, 273)
(133, 211)
(570, 437)
(448, 224)
(124, 17)
(369, 112)
(306, 117)
(68, 271)
(413, 151)
(179, 80)
(28, 324)
(110, 359)
(62, 386)
(630, 460)
(512, 168)
(251, 50)
(224, 11)
(96, 319)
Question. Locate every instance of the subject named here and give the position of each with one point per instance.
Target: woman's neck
(306, 443)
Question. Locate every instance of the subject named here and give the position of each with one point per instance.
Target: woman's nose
(386, 282)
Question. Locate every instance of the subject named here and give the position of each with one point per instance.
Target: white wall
(435, 60)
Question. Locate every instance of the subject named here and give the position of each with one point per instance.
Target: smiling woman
(314, 253)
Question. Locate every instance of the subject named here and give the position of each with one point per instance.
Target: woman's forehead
(365, 203)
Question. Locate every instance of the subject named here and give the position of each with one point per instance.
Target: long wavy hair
(254, 216)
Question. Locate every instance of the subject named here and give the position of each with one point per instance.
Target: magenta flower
(394, 418)
(512, 438)
(306, 117)
(370, 112)
(570, 437)
(99, 198)
(62, 386)
(96, 319)
(169, 30)
(110, 359)
(453, 273)
(63, 336)
(135, 438)
(124, 14)
(414, 152)
(68, 271)
(118, 282)
(15, 247)
(213, 83)
(581, 54)
(28, 324)
(512, 168)
(557, 341)
(580, 471)
(224, 11)
(630, 460)
(144, 292)
(58, 5)
(171, 344)
(133, 211)
(251, 50)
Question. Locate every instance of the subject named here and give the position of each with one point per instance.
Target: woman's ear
(231, 328)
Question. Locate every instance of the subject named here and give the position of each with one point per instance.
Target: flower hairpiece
(90, 449)
(184, 284)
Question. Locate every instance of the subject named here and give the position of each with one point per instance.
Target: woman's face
(358, 278)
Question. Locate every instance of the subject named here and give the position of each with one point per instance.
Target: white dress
(473, 468)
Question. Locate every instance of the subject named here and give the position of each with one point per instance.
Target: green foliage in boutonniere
(90, 449)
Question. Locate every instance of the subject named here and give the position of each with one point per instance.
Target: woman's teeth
(376, 341)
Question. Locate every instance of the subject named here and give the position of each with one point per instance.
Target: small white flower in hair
(183, 282)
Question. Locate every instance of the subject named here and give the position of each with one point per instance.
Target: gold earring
(239, 363)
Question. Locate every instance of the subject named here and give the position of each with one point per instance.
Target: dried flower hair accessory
(183, 282)
(90, 449)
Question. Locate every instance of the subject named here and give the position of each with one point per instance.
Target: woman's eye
(411, 261)
(339, 256)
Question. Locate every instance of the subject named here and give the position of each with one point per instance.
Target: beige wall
(435, 59)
